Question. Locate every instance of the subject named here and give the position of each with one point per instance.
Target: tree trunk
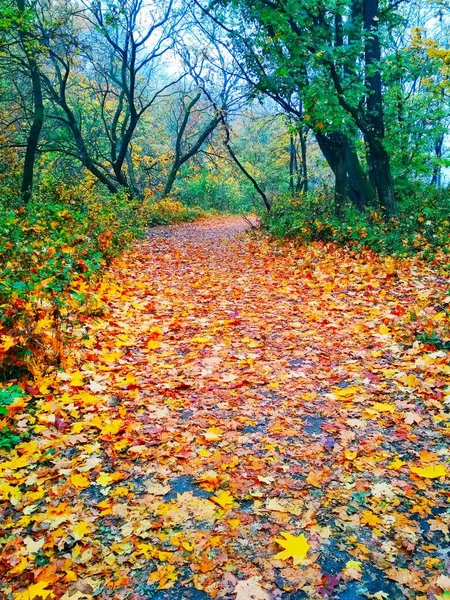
(171, 179)
(334, 147)
(292, 163)
(340, 185)
(38, 119)
(302, 184)
(383, 179)
(33, 135)
(361, 191)
(241, 167)
(374, 133)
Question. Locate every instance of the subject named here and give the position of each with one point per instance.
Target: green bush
(423, 224)
(66, 235)
(8, 439)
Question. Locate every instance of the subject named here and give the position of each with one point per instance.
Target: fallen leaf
(295, 547)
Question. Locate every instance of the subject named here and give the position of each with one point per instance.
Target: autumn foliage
(241, 417)
(49, 252)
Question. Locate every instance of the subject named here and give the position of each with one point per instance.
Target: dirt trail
(231, 392)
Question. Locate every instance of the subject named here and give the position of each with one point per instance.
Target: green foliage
(8, 439)
(66, 236)
(7, 397)
(211, 192)
(433, 339)
(423, 225)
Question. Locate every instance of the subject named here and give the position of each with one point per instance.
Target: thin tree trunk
(38, 119)
(292, 161)
(340, 186)
(241, 167)
(302, 184)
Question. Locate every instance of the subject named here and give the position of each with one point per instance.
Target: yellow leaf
(350, 454)
(295, 547)
(153, 344)
(223, 499)
(345, 392)
(10, 492)
(7, 342)
(352, 569)
(110, 357)
(165, 576)
(431, 472)
(383, 330)
(213, 434)
(378, 407)
(198, 339)
(105, 479)
(113, 427)
(370, 518)
(396, 464)
(77, 379)
(79, 481)
(20, 567)
(36, 590)
(80, 529)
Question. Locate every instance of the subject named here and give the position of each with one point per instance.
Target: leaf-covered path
(232, 393)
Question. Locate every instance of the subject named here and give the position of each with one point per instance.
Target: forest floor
(242, 420)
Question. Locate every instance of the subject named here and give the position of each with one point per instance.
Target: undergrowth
(168, 210)
(423, 224)
(49, 251)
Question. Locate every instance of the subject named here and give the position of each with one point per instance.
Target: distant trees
(333, 59)
(135, 91)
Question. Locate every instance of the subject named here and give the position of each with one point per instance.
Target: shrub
(66, 236)
(167, 210)
(423, 224)
(8, 395)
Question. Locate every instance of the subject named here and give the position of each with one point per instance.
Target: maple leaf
(350, 454)
(36, 590)
(153, 344)
(80, 529)
(379, 407)
(105, 479)
(352, 570)
(430, 472)
(79, 481)
(250, 589)
(370, 518)
(224, 499)
(77, 379)
(295, 547)
(8, 341)
(33, 546)
(212, 434)
(396, 464)
(164, 576)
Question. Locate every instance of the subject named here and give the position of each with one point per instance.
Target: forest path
(233, 391)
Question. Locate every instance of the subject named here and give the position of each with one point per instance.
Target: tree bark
(358, 188)
(302, 185)
(374, 133)
(340, 186)
(38, 118)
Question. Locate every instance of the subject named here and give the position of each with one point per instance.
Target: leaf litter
(244, 420)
